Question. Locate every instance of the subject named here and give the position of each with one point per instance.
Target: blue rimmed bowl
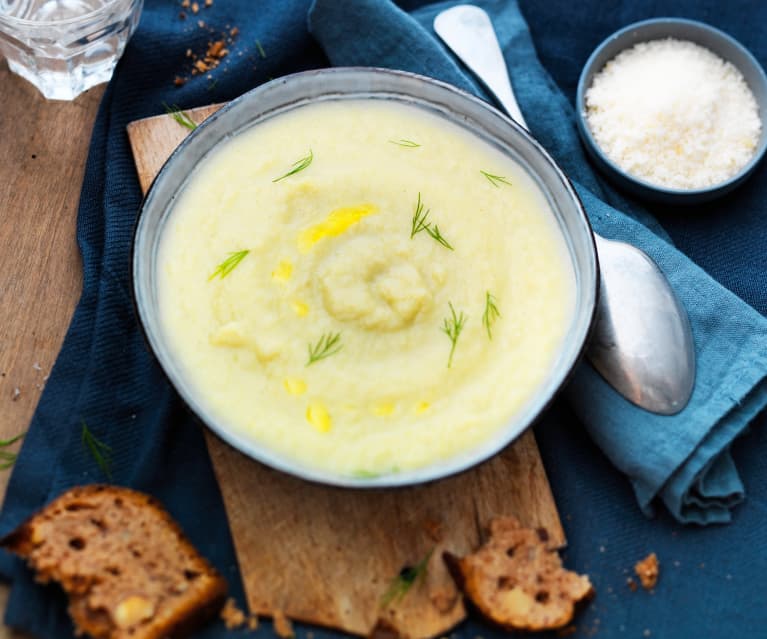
(704, 35)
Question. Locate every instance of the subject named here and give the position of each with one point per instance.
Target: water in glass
(64, 47)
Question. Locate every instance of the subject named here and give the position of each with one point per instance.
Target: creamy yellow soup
(363, 287)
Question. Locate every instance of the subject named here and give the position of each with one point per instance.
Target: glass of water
(64, 47)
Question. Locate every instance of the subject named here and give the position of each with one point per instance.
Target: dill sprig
(298, 165)
(8, 458)
(100, 452)
(495, 179)
(327, 345)
(452, 327)
(229, 264)
(420, 223)
(434, 232)
(261, 51)
(404, 581)
(491, 313)
(365, 474)
(406, 143)
(179, 116)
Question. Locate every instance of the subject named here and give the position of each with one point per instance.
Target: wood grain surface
(326, 555)
(43, 147)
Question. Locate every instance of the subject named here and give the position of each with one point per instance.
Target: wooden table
(43, 148)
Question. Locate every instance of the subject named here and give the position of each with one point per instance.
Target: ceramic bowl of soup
(364, 277)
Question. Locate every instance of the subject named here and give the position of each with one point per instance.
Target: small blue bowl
(702, 34)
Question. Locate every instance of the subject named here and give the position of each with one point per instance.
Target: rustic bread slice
(517, 581)
(124, 562)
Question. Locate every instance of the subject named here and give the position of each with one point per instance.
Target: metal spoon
(642, 342)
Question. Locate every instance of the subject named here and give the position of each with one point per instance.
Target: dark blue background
(711, 579)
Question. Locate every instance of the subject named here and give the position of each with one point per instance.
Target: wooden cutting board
(327, 556)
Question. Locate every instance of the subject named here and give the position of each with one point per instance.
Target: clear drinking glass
(64, 47)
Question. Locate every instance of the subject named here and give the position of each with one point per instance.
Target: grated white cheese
(674, 114)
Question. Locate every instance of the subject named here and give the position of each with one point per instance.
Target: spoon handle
(641, 342)
(461, 28)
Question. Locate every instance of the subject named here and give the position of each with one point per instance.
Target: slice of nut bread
(128, 569)
(517, 581)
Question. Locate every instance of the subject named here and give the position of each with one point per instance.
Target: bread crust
(125, 563)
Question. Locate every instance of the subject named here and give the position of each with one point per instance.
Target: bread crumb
(215, 49)
(212, 56)
(232, 616)
(631, 584)
(282, 625)
(195, 7)
(185, 3)
(208, 3)
(648, 570)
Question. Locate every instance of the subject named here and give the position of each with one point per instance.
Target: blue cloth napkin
(106, 378)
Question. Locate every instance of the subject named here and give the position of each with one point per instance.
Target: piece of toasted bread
(517, 581)
(129, 571)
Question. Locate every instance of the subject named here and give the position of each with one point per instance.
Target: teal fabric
(684, 459)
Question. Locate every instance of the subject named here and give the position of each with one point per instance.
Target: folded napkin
(106, 378)
(683, 459)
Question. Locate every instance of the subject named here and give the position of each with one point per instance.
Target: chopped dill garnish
(404, 581)
(434, 232)
(179, 116)
(99, 450)
(419, 223)
(452, 327)
(406, 143)
(261, 51)
(299, 165)
(328, 344)
(491, 313)
(8, 458)
(495, 179)
(229, 264)
(365, 474)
